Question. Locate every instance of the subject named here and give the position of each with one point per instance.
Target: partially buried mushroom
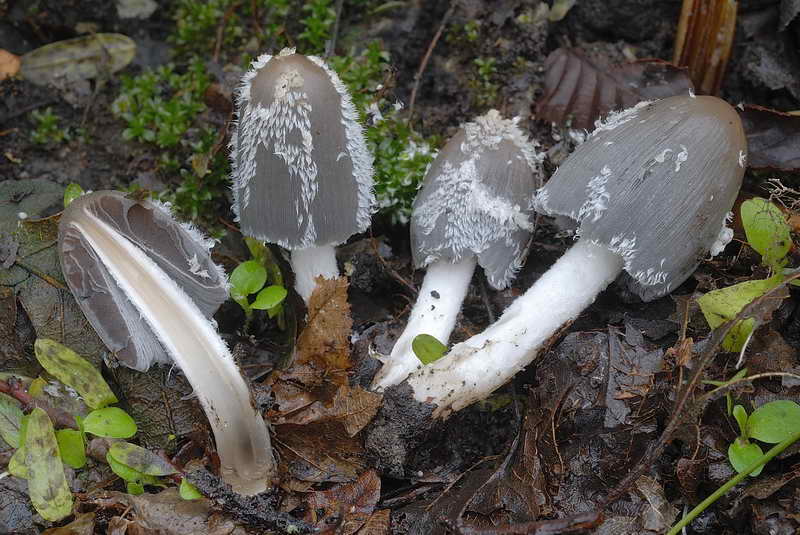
(302, 173)
(148, 286)
(650, 191)
(474, 207)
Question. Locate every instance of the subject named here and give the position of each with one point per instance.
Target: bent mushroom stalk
(301, 170)
(474, 207)
(650, 191)
(148, 286)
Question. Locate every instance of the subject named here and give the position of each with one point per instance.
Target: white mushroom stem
(243, 444)
(435, 312)
(476, 367)
(310, 263)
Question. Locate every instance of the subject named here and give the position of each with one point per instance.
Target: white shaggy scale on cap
(476, 199)
(302, 173)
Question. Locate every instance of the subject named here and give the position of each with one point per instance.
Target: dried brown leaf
(773, 138)
(325, 341)
(351, 504)
(354, 407)
(578, 91)
(9, 64)
(318, 452)
(377, 524)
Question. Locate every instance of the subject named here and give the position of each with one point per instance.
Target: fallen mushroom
(474, 207)
(302, 173)
(148, 286)
(650, 190)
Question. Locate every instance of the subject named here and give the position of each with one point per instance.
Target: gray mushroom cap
(302, 173)
(179, 250)
(655, 184)
(476, 199)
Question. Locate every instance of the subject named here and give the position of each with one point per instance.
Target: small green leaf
(75, 371)
(189, 491)
(270, 297)
(427, 348)
(134, 487)
(71, 447)
(766, 230)
(248, 278)
(125, 472)
(774, 422)
(10, 420)
(720, 306)
(111, 422)
(140, 459)
(741, 418)
(47, 484)
(72, 192)
(742, 453)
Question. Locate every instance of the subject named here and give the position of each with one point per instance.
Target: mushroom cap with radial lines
(655, 184)
(178, 249)
(476, 199)
(302, 173)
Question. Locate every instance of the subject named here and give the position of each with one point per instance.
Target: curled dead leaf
(9, 64)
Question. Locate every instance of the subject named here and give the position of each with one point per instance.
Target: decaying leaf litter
(565, 440)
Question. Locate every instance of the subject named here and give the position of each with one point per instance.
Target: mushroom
(474, 207)
(302, 173)
(650, 191)
(148, 286)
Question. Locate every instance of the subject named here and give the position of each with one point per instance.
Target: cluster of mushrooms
(648, 194)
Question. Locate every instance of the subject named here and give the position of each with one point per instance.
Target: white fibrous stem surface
(243, 444)
(476, 367)
(310, 263)
(434, 313)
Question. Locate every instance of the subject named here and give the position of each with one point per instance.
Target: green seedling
(769, 235)
(771, 423)
(47, 130)
(249, 278)
(318, 25)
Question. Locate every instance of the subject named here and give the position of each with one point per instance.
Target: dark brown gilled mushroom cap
(302, 173)
(654, 183)
(179, 250)
(476, 199)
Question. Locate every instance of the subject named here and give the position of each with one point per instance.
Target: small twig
(16, 389)
(424, 64)
(330, 46)
(395, 275)
(26, 109)
(221, 29)
(52, 281)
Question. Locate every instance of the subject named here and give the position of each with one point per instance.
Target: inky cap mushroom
(148, 286)
(651, 190)
(474, 205)
(302, 173)
(651, 187)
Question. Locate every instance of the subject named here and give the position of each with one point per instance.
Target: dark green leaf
(125, 472)
(140, 459)
(71, 447)
(427, 348)
(75, 371)
(774, 422)
(269, 297)
(766, 230)
(248, 278)
(189, 491)
(10, 420)
(742, 454)
(47, 484)
(111, 422)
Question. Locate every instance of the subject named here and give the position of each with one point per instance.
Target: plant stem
(738, 478)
